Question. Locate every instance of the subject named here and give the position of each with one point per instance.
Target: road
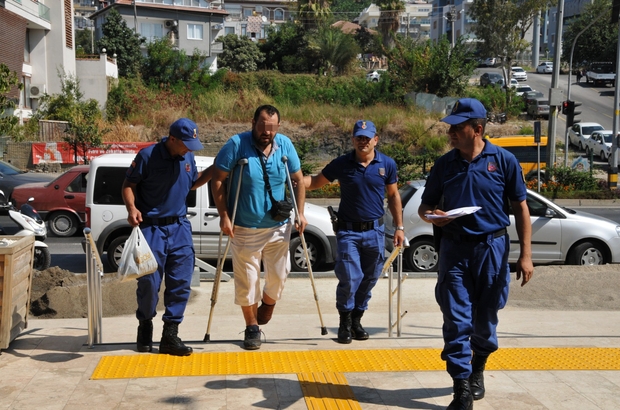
(67, 252)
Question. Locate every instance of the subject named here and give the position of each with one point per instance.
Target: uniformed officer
(473, 278)
(365, 175)
(155, 188)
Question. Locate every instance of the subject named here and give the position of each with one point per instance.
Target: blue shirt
(362, 189)
(163, 182)
(254, 202)
(490, 181)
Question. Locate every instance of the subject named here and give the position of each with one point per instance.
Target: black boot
(476, 380)
(344, 331)
(171, 343)
(463, 399)
(145, 336)
(357, 331)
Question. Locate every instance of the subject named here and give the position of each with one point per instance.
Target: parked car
(513, 83)
(559, 235)
(490, 62)
(375, 75)
(11, 176)
(546, 67)
(538, 108)
(490, 78)
(522, 89)
(530, 96)
(61, 202)
(580, 132)
(107, 217)
(599, 144)
(519, 74)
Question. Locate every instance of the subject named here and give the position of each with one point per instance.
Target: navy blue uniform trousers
(174, 251)
(472, 286)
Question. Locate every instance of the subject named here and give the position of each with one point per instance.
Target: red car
(61, 202)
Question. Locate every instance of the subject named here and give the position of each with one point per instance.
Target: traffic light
(564, 107)
(571, 113)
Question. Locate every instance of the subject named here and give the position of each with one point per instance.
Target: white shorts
(250, 247)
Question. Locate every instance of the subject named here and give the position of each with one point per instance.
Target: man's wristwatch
(400, 228)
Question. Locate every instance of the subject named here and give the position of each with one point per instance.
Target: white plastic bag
(137, 259)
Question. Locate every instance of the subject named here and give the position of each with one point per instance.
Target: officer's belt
(360, 226)
(169, 220)
(474, 238)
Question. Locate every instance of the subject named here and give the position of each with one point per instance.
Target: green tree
(502, 25)
(597, 43)
(82, 132)
(430, 67)
(8, 80)
(240, 54)
(335, 50)
(165, 65)
(286, 49)
(347, 10)
(83, 42)
(367, 41)
(314, 13)
(119, 39)
(389, 20)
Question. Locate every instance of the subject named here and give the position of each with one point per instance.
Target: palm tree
(335, 50)
(389, 20)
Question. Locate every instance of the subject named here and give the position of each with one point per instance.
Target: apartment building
(414, 19)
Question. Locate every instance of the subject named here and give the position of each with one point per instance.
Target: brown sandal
(264, 313)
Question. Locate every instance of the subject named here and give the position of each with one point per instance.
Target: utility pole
(451, 17)
(135, 17)
(555, 94)
(612, 178)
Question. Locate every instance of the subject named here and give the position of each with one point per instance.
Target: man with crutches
(262, 227)
(365, 175)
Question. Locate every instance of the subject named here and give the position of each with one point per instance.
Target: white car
(580, 132)
(522, 89)
(375, 75)
(513, 83)
(490, 62)
(107, 217)
(559, 235)
(519, 74)
(599, 144)
(546, 67)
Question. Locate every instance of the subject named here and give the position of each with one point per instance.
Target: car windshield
(607, 138)
(406, 192)
(590, 130)
(8, 169)
(524, 89)
(517, 70)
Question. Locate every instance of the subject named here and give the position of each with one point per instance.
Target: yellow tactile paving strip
(343, 361)
(327, 391)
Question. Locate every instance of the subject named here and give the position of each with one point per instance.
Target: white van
(106, 216)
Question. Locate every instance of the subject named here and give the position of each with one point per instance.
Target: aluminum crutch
(222, 259)
(387, 267)
(303, 243)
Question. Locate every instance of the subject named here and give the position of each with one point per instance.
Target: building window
(247, 12)
(27, 47)
(194, 31)
(244, 31)
(278, 15)
(229, 30)
(151, 31)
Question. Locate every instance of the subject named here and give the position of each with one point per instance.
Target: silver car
(559, 234)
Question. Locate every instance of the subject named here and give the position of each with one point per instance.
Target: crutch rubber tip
(323, 331)
(207, 338)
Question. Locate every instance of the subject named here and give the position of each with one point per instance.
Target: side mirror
(550, 213)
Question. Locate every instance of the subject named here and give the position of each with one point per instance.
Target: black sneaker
(252, 338)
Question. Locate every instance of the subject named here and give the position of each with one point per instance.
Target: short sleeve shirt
(163, 181)
(490, 181)
(362, 189)
(254, 201)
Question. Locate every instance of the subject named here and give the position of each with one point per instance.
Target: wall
(13, 35)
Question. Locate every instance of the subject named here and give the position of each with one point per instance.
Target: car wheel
(586, 253)
(63, 223)
(375, 80)
(115, 250)
(298, 256)
(421, 256)
(42, 258)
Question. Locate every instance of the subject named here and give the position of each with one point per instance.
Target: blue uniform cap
(187, 131)
(465, 109)
(365, 129)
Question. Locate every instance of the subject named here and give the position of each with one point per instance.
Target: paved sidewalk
(49, 366)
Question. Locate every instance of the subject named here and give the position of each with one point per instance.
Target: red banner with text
(61, 152)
